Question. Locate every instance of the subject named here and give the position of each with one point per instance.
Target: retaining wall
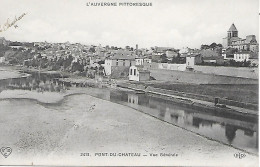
(198, 78)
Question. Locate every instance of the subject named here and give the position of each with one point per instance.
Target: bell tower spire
(232, 32)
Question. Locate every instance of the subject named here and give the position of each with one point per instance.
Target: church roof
(236, 39)
(232, 28)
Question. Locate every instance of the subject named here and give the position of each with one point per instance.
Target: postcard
(129, 83)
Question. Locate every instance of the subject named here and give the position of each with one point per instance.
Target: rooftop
(123, 57)
(232, 28)
(208, 53)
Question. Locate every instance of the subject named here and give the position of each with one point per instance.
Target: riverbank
(189, 94)
(184, 93)
(7, 73)
(41, 135)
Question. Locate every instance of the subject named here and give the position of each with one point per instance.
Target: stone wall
(198, 78)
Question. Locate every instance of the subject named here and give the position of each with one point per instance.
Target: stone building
(233, 41)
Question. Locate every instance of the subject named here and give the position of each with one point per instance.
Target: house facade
(118, 61)
(192, 60)
(242, 56)
(146, 62)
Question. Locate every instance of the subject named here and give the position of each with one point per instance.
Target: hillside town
(130, 62)
(132, 83)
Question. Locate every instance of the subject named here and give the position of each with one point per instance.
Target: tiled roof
(122, 57)
(236, 39)
(232, 28)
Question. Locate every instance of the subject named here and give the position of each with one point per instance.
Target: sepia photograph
(129, 83)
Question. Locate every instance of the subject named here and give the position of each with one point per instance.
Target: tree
(77, 67)
(177, 60)
(213, 45)
(164, 58)
(220, 45)
(92, 49)
(204, 47)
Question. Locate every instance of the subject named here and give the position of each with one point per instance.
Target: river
(233, 129)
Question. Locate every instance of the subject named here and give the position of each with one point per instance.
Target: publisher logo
(240, 155)
(6, 151)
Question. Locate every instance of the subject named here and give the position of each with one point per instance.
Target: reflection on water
(37, 81)
(236, 129)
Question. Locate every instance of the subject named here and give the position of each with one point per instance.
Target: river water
(233, 129)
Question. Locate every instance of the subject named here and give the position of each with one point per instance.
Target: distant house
(210, 56)
(192, 60)
(117, 61)
(139, 61)
(2, 59)
(242, 56)
(143, 61)
(238, 56)
(138, 73)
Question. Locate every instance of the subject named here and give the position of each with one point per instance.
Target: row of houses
(138, 66)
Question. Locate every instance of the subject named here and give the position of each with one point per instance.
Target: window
(131, 71)
(123, 62)
(134, 71)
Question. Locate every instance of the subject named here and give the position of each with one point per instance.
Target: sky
(169, 23)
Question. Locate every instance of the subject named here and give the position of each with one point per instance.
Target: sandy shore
(43, 97)
(57, 135)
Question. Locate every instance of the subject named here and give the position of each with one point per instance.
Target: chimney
(136, 49)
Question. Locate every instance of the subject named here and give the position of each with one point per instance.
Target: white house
(142, 61)
(137, 73)
(2, 59)
(192, 60)
(139, 61)
(242, 56)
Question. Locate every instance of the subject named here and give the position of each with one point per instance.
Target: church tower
(232, 32)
